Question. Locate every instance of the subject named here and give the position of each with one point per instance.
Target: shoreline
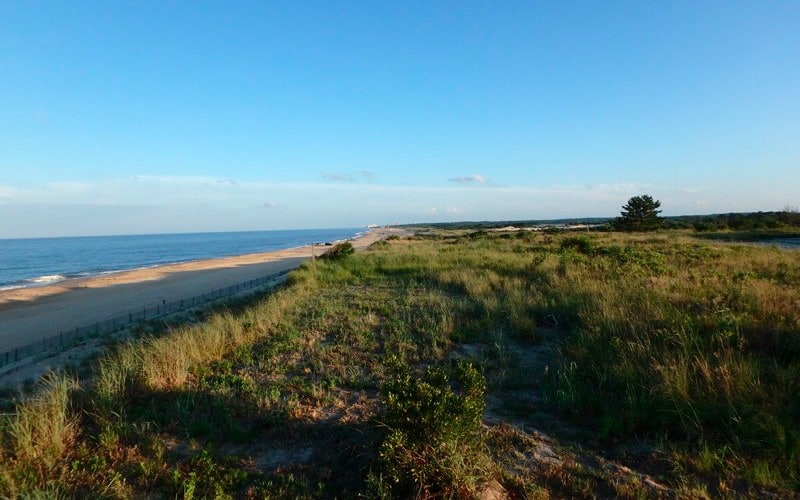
(30, 314)
(51, 275)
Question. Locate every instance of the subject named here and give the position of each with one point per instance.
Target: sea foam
(46, 280)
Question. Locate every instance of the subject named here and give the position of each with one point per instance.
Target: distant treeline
(715, 222)
(736, 221)
(477, 225)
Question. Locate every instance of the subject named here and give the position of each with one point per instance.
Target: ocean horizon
(32, 262)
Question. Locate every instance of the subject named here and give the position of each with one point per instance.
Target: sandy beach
(31, 314)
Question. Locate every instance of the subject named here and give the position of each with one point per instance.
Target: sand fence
(66, 338)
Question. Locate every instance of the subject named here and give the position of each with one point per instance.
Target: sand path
(31, 314)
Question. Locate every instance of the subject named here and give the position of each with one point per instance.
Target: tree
(639, 214)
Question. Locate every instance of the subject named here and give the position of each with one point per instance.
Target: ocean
(43, 261)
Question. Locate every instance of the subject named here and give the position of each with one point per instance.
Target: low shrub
(435, 444)
(338, 251)
(582, 244)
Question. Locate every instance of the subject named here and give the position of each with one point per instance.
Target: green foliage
(435, 444)
(639, 214)
(204, 477)
(784, 222)
(338, 251)
(582, 244)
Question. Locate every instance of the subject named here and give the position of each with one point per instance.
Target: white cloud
(331, 176)
(468, 179)
(620, 188)
(8, 192)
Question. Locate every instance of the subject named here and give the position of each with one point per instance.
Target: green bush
(338, 251)
(582, 244)
(435, 443)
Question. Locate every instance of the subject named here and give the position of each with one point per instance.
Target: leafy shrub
(435, 443)
(379, 245)
(582, 244)
(338, 251)
(206, 478)
(478, 235)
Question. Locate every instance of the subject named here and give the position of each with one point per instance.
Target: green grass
(690, 346)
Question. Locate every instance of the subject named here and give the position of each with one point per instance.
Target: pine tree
(639, 214)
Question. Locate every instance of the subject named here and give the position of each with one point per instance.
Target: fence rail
(65, 337)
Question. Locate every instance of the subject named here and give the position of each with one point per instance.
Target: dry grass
(39, 434)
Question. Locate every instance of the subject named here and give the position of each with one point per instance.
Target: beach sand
(31, 314)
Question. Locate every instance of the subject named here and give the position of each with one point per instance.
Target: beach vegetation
(338, 251)
(451, 364)
(434, 444)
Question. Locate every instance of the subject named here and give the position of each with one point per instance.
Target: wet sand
(31, 314)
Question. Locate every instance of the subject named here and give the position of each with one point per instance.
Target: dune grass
(688, 345)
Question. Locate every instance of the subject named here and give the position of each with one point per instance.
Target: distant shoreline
(31, 314)
(34, 263)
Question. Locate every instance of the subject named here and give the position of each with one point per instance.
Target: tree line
(641, 213)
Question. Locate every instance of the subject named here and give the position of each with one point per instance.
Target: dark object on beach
(338, 251)
(328, 244)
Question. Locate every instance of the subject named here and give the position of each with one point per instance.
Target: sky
(153, 117)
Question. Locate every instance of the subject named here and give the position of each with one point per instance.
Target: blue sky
(133, 117)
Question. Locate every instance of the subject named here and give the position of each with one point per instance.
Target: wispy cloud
(453, 210)
(131, 205)
(469, 179)
(621, 188)
(8, 192)
(367, 174)
(332, 176)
